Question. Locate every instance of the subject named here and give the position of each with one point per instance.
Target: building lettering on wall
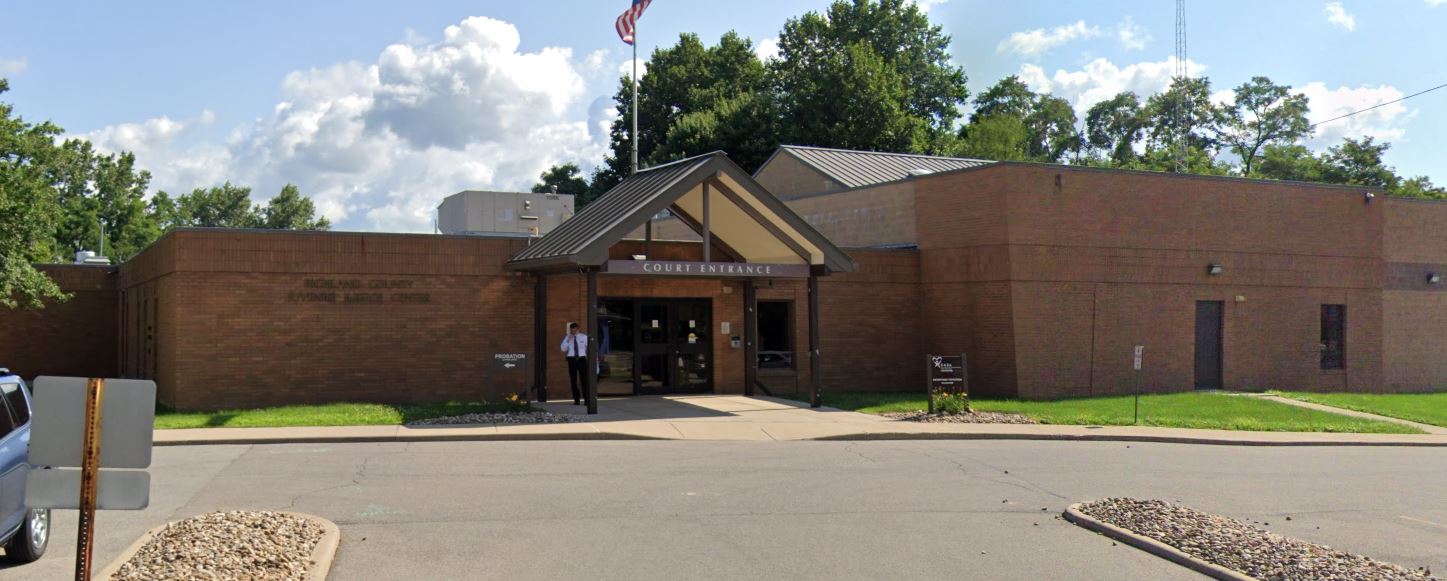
(698, 268)
(357, 291)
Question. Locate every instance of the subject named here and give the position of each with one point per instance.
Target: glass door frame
(674, 344)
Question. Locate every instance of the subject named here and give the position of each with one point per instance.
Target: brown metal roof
(855, 169)
(584, 239)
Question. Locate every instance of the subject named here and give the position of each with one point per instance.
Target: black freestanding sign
(946, 376)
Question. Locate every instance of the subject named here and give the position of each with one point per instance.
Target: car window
(7, 419)
(15, 396)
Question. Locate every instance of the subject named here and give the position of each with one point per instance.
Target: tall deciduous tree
(1012, 122)
(1186, 104)
(290, 210)
(224, 206)
(867, 74)
(1263, 113)
(564, 179)
(1114, 126)
(29, 208)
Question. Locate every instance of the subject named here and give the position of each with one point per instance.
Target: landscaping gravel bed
(1241, 547)
(228, 545)
(965, 418)
(499, 418)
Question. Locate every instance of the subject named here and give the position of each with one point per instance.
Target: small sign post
(509, 361)
(945, 375)
(73, 419)
(1139, 349)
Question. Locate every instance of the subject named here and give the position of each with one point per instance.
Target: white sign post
(72, 419)
(1138, 350)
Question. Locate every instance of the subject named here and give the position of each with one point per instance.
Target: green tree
(1188, 102)
(1011, 120)
(715, 88)
(102, 193)
(1359, 162)
(1263, 113)
(224, 206)
(997, 137)
(1114, 126)
(867, 74)
(564, 179)
(1420, 187)
(290, 210)
(29, 208)
(1289, 162)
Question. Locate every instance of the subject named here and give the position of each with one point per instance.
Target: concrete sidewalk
(723, 418)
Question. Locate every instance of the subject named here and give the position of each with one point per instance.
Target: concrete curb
(321, 558)
(1122, 438)
(1152, 546)
(861, 436)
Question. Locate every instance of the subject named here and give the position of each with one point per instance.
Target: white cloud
(1033, 43)
(626, 68)
(377, 145)
(1131, 35)
(1385, 123)
(926, 5)
(767, 49)
(1435, 3)
(1100, 80)
(13, 66)
(1340, 18)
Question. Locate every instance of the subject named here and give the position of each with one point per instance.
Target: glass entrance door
(673, 347)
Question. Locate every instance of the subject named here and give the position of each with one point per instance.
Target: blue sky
(378, 109)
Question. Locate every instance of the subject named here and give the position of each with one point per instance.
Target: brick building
(1045, 276)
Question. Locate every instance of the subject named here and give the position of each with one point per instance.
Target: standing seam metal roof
(605, 213)
(855, 169)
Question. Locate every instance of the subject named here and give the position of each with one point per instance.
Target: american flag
(628, 18)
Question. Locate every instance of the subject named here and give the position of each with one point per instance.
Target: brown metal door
(1208, 344)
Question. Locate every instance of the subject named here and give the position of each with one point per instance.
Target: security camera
(1369, 196)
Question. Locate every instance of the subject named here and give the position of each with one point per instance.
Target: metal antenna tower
(1183, 72)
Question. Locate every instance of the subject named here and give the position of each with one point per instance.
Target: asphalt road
(777, 510)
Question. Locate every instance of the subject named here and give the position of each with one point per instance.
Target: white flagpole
(635, 99)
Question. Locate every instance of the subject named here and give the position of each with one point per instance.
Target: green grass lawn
(1175, 410)
(336, 414)
(1427, 408)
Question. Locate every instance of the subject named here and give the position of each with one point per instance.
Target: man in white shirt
(575, 349)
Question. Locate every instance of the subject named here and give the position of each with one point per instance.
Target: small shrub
(951, 403)
(515, 402)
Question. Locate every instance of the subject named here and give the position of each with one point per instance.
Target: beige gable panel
(816, 256)
(731, 225)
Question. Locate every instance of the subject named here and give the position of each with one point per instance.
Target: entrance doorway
(1208, 344)
(655, 346)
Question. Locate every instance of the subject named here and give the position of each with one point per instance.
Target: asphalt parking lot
(803, 510)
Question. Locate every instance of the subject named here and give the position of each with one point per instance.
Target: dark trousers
(577, 366)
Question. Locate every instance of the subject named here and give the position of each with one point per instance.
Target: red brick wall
(869, 320)
(1102, 261)
(1414, 311)
(965, 273)
(254, 319)
(76, 337)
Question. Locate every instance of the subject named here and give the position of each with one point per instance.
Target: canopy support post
(594, 340)
(816, 397)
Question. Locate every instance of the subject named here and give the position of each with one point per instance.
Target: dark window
(776, 334)
(1333, 336)
(13, 412)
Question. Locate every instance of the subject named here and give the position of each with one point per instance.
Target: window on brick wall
(1333, 336)
(776, 334)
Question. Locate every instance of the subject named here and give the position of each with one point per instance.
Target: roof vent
(919, 171)
(90, 257)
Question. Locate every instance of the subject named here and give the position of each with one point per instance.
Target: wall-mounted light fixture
(1434, 278)
(1214, 269)
(1369, 196)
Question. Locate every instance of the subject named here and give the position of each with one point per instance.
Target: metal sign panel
(115, 489)
(509, 361)
(1138, 350)
(128, 417)
(709, 269)
(947, 373)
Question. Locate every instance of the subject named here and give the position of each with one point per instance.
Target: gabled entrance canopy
(711, 194)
